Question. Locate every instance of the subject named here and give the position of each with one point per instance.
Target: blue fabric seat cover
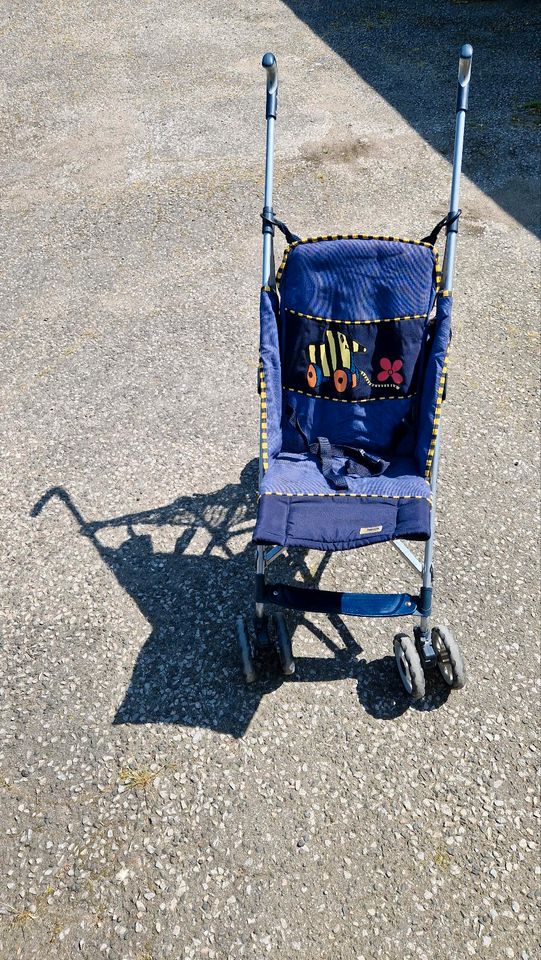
(352, 351)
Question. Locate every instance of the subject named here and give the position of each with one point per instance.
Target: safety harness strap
(358, 463)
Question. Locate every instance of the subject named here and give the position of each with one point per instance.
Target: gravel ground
(151, 805)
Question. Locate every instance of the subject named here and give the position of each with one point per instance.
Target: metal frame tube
(267, 269)
(464, 73)
(408, 555)
(273, 553)
(266, 274)
(269, 63)
(429, 547)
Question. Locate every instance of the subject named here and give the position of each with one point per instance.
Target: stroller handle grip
(270, 65)
(464, 73)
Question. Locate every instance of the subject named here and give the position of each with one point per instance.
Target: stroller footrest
(352, 604)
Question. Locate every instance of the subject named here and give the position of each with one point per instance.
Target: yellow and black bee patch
(323, 360)
(334, 359)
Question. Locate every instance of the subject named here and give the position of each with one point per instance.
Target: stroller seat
(352, 367)
(298, 506)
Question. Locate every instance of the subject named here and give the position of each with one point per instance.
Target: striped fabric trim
(263, 418)
(375, 496)
(437, 417)
(308, 316)
(356, 236)
(405, 396)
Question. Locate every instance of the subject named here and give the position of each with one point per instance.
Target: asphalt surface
(151, 805)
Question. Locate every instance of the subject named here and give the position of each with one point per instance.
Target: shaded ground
(151, 805)
(406, 53)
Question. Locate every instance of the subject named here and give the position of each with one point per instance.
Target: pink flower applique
(390, 370)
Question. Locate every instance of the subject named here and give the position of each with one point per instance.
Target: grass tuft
(137, 777)
(528, 111)
(533, 107)
(22, 917)
(442, 858)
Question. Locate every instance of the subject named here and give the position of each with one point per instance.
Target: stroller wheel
(409, 666)
(283, 645)
(262, 637)
(246, 651)
(450, 661)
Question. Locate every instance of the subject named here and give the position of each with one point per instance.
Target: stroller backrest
(353, 334)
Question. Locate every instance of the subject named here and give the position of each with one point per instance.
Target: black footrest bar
(352, 604)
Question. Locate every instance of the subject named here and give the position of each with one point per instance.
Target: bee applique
(334, 359)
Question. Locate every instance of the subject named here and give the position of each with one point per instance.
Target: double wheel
(269, 632)
(449, 661)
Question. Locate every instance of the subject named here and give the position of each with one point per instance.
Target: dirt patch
(344, 151)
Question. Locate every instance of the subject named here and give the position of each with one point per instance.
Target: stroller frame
(430, 648)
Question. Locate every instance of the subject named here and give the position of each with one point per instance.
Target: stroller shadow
(188, 670)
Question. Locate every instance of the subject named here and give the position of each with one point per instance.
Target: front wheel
(283, 645)
(246, 651)
(450, 660)
(409, 666)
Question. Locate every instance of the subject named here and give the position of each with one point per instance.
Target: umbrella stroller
(354, 342)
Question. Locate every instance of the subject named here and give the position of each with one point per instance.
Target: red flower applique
(390, 370)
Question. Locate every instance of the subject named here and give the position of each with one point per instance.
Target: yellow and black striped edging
(437, 271)
(437, 417)
(405, 396)
(263, 417)
(375, 496)
(308, 316)
(357, 236)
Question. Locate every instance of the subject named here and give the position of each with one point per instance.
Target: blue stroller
(352, 376)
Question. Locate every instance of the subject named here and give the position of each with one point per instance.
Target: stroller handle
(464, 73)
(270, 65)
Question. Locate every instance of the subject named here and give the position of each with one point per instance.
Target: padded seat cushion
(297, 507)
